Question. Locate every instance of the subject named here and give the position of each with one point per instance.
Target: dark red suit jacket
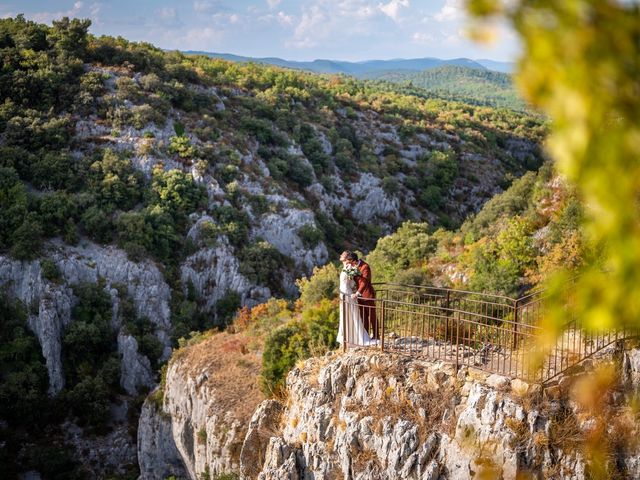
(363, 281)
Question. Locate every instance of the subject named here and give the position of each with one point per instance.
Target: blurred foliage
(581, 66)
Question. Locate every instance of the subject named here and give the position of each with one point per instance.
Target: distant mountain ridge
(365, 67)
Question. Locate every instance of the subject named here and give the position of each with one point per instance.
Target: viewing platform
(493, 333)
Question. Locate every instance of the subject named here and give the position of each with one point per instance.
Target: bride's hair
(349, 255)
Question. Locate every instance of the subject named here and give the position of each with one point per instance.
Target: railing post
(447, 314)
(382, 325)
(457, 341)
(515, 324)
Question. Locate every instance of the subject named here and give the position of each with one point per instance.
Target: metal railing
(494, 333)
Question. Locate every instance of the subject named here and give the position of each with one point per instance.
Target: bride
(356, 333)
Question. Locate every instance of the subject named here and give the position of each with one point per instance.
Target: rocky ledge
(366, 415)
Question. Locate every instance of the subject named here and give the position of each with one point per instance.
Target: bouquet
(351, 271)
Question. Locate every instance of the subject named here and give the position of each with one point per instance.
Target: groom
(365, 294)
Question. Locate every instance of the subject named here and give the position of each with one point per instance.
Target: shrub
(50, 270)
(410, 246)
(23, 373)
(262, 263)
(182, 147)
(176, 192)
(323, 284)
(412, 276)
(233, 223)
(27, 239)
(310, 235)
(227, 307)
(313, 333)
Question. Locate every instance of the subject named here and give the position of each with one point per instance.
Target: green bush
(27, 239)
(310, 235)
(90, 359)
(176, 192)
(182, 147)
(410, 246)
(50, 270)
(515, 201)
(499, 264)
(233, 223)
(227, 307)
(323, 284)
(114, 182)
(23, 373)
(262, 263)
(313, 334)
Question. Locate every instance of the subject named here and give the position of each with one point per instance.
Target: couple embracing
(357, 305)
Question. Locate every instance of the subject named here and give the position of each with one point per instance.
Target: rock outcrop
(215, 271)
(49, 303)
(158, 456)
(366, 415)
(379, 416)
(210, 393)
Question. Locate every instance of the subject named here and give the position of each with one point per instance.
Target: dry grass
(232, 372)
(428, 413)
(521, 433)
(363, 458)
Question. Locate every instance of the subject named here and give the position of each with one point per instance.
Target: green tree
(322, 284)
(23, 374)
(70, 36)
(408, 247)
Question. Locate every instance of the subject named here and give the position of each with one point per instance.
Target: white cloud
(167, 13)
(329, 22)
(392, 9)
(197, 39)
(223, 19)
(79, 10)
(202, 6)
(274, 3)
(450, 11)
(285, 19)
(422, 38)
(312, 27)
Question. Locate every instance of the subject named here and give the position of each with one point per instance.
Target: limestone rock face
(282, 231)
(363, 415)
(49, 304)
(210, 392)
(366, 416)
(214, 271)
(372, 203)
(158, 456)
(262, 427)
(632, 367)
(206, 438)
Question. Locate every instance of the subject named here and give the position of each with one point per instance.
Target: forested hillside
(467, 84)
(145, 195)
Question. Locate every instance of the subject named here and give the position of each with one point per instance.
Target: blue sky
(292, 29)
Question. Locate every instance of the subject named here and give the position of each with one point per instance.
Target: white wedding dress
(356, 333)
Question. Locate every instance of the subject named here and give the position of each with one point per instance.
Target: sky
(352, 30)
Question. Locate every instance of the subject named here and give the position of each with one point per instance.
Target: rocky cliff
(198, 421)
(367, 415)
(49, 302)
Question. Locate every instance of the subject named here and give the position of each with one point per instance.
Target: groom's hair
(349, 255)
